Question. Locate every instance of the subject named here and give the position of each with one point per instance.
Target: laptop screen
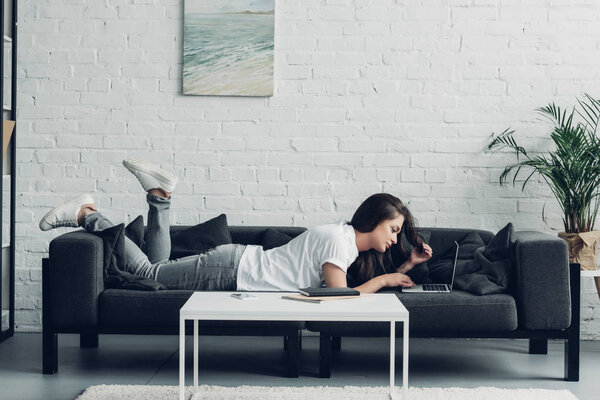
(454, 268)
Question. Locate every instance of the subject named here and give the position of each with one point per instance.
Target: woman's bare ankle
(160, 193)
(86, 209)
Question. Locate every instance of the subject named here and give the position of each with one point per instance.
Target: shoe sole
(52, 212)
(168, 180)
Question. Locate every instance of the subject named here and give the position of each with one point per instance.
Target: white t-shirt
(298, 263)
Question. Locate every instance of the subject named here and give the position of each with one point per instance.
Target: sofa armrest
(74, 280)
(542, 290)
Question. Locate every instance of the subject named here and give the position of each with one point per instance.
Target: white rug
(149, 392)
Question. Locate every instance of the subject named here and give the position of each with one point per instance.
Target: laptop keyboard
(434, 288)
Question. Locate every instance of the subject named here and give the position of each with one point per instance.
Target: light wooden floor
(232, 361)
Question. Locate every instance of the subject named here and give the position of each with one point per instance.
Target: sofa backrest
(250, 234)
(441, 238)
(254, 234)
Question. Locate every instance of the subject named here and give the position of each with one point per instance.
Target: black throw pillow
(114, 262)
(200, 238)
(272, 238)
(440, 270)
(136, 231)
(114, 255)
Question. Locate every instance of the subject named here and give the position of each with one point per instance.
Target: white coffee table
(382, 307)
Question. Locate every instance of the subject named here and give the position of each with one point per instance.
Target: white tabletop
(595, 272)
(270, 306)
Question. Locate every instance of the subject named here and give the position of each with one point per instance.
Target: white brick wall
(370, 95)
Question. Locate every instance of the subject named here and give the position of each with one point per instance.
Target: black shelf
(8, 28)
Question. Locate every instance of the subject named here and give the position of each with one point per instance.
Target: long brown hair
(375, 209)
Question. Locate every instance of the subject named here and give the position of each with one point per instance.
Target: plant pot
(583, 249)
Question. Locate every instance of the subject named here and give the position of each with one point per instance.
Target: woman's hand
(396, 279)
(417, 257)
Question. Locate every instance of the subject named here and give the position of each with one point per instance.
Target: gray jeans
(213, 270)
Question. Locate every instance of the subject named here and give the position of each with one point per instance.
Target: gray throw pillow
(273, 238)
(480, 269)
(440, 270)
(492, 266)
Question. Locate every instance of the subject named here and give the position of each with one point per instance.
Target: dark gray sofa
(543, 302)
(75, 300)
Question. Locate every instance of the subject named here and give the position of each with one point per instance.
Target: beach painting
(228, 47)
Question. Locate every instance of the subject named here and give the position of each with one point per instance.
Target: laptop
(435, 287)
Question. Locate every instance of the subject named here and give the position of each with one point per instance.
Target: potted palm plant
(572, 171)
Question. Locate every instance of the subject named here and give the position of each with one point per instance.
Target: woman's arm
(405, 267)
(335, 277)
(416, 257)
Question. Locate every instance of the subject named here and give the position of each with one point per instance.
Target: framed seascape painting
(228, 47)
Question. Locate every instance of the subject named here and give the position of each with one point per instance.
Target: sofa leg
(572, 342)
(324, 356)
(336, 344)
(293, 355)
(538, 346)
(88, 340)
(49, 353)
(572, 360)
(286, 342)
(49, 338)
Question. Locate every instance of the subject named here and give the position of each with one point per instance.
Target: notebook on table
(325, 291)
(318, 299)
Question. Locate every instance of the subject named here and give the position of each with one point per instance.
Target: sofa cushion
(200, 238)
(461, 311)
(441, 313)
(131, 308)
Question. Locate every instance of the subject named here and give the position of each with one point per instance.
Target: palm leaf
(591, 108)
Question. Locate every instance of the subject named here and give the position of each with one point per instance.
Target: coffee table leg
(405, 360)
(392, 356)
(196, 356)
(181, 358)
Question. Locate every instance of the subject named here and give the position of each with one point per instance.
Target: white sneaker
(151, 176)
(65, 214)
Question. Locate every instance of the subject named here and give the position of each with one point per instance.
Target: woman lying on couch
(321, 254)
